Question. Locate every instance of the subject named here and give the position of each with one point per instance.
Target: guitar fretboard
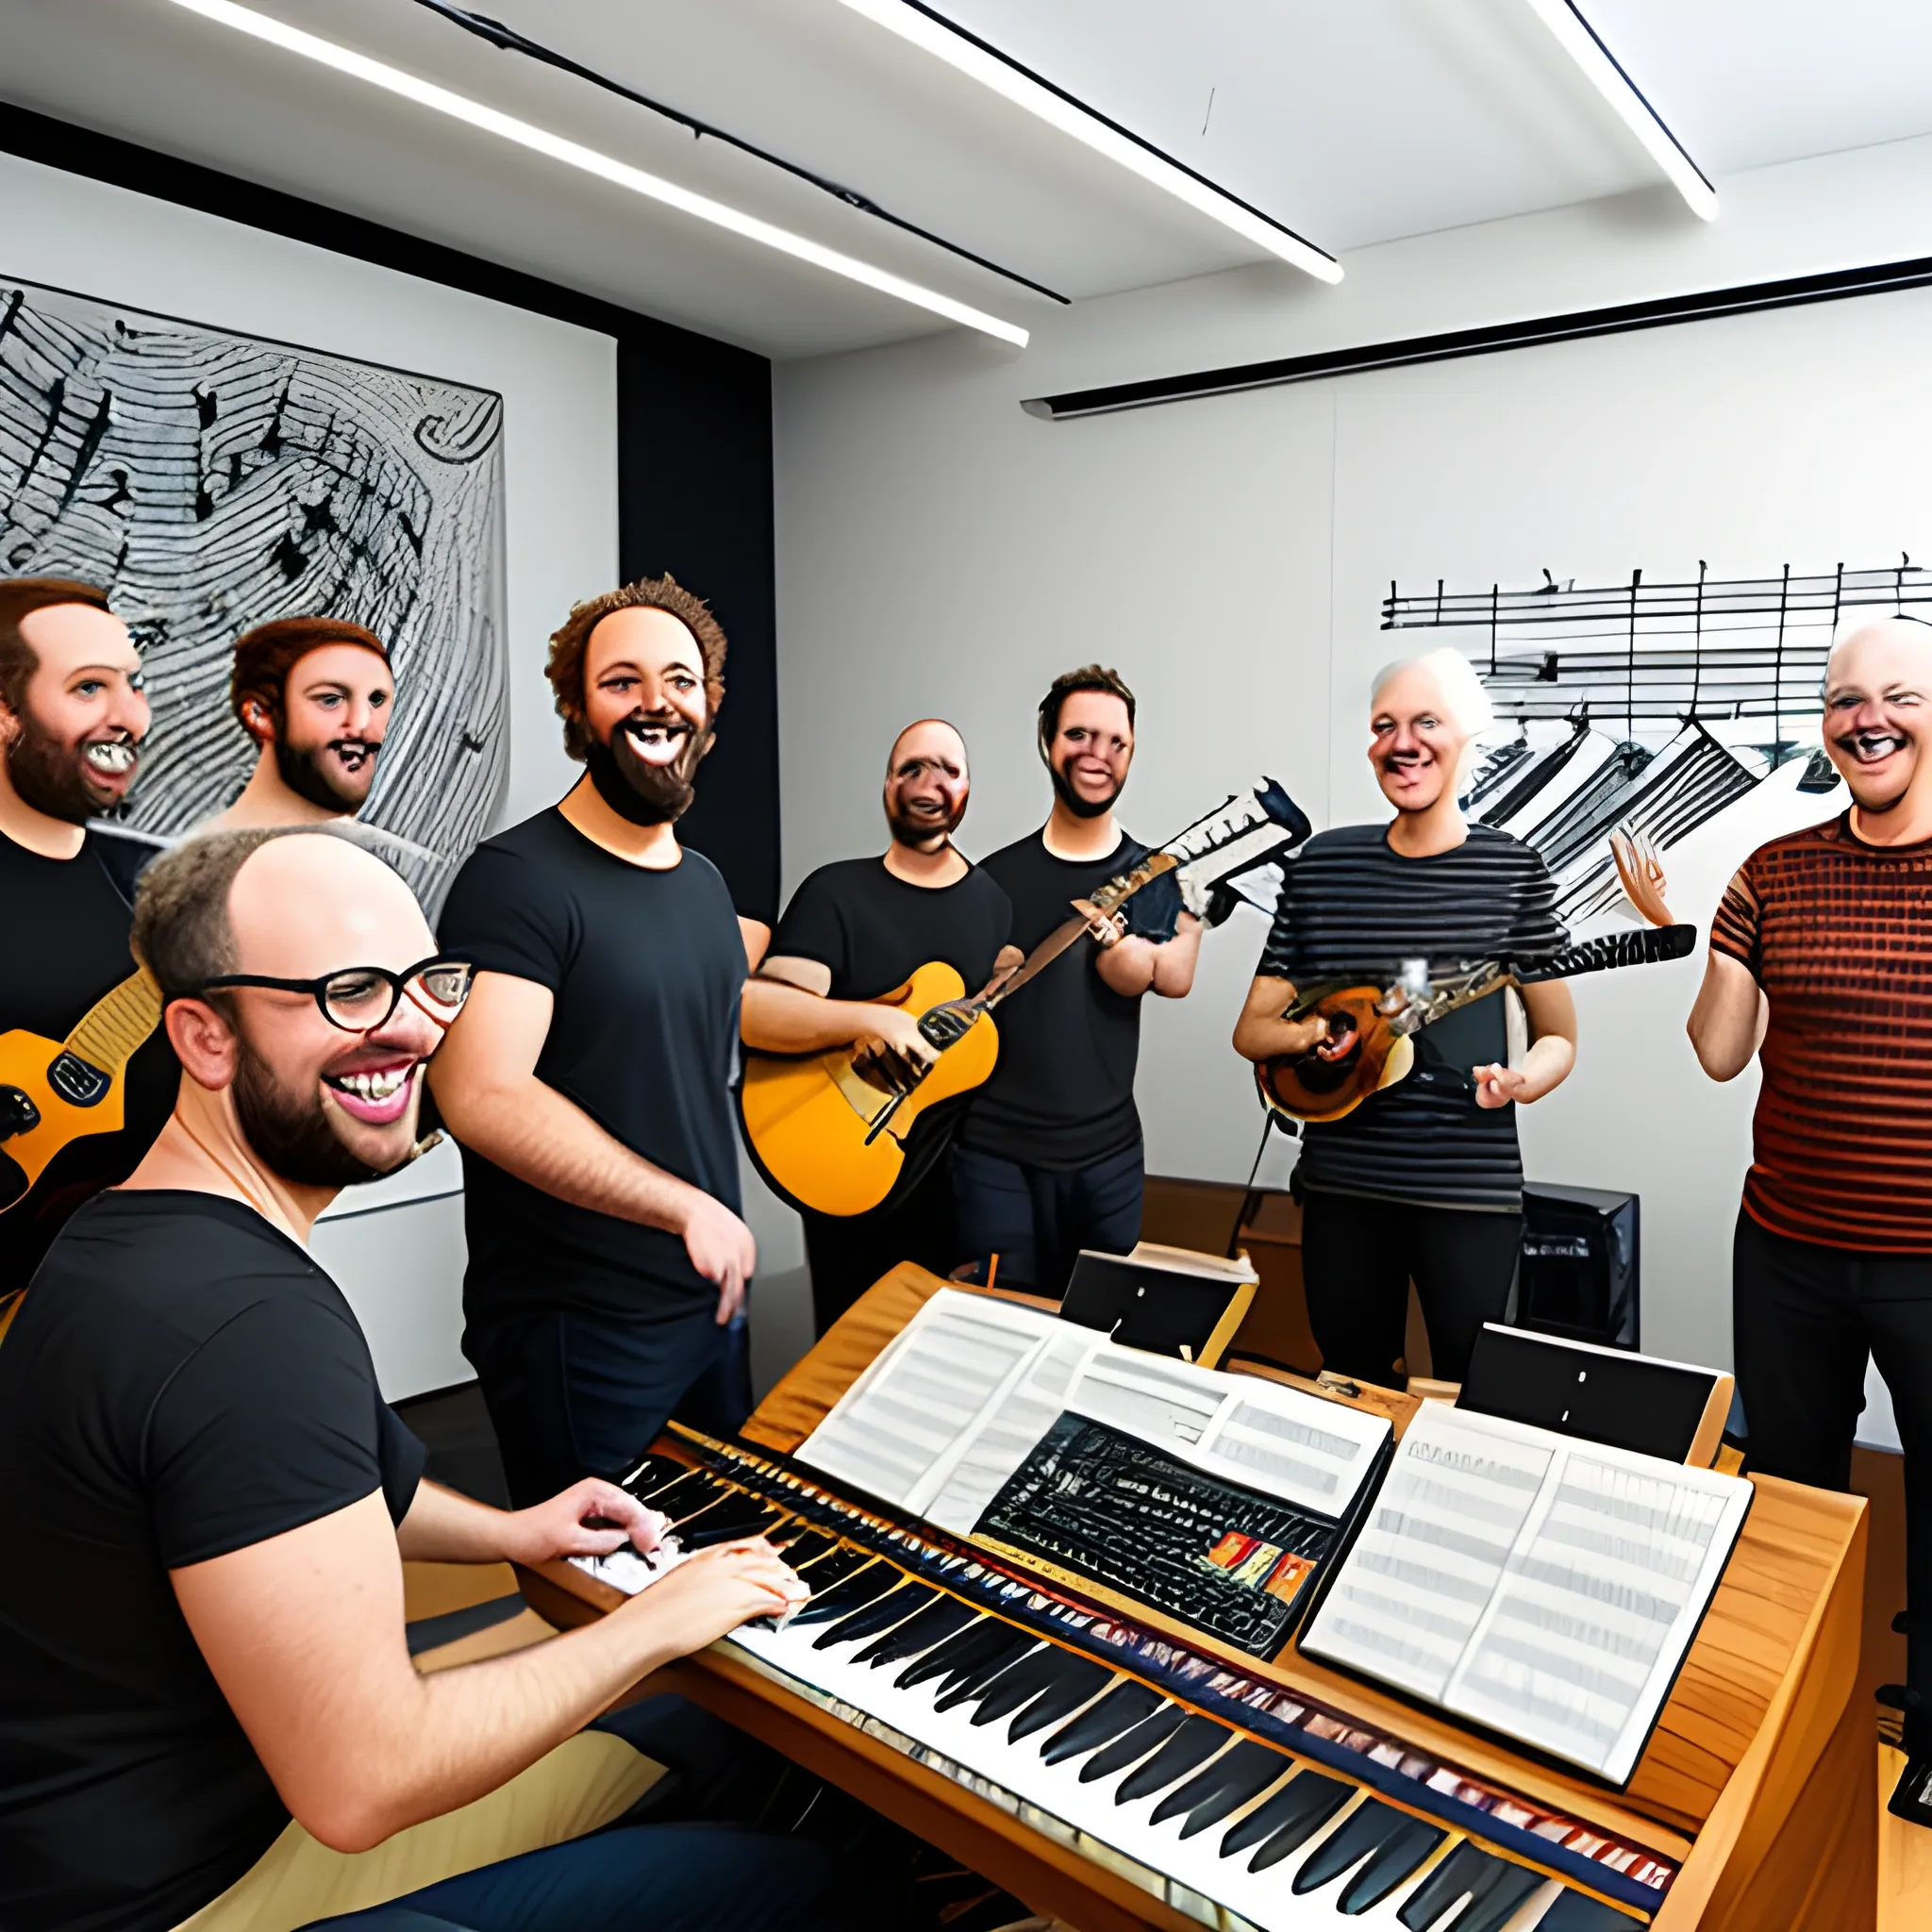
(113, 1029)
(1641, 948)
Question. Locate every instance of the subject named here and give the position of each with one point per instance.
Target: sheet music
(1166, 1403)
(1310, 1452)
(1548, 1588)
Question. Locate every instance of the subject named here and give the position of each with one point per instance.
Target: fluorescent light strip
(959, 50)
(475, 114)
(1578, 39)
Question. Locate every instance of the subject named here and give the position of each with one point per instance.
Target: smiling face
(646, 712)
(72, 749)
(926, 785)
(336, 707)
(1877, 691)
(321, 1106)
(1090, 749)
(1414, 739)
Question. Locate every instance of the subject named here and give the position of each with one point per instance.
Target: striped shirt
(1352, 907)
(1839, 934)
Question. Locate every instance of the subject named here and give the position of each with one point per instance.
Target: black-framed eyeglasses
(359, 999)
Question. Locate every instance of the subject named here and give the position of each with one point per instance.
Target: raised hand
(1640, 871)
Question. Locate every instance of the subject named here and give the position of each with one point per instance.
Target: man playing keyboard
(209, 1715)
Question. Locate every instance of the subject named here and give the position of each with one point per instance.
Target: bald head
(927, 785)
(313, 903)
(1878, 717)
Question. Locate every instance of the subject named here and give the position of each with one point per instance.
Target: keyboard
(1233, 1803)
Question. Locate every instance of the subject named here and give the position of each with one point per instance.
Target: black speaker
(1579, 1277)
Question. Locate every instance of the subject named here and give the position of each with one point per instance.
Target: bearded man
(72, 715)
(856, 930)
(1049, 1159)
(315, 693)
(1820, 968)
(589, 1079)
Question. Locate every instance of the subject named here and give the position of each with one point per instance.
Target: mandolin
(54, 1091)
(829, 1131)
(1371, 1028)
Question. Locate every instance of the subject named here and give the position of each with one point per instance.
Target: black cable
(507, 40)
(1248, 1192)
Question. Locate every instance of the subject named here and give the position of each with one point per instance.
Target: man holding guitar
(1049, 1161)
(71, 718)
(860, 929)
(1423, 1179)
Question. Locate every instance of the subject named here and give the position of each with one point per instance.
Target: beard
(52, 778)
(308, 778)
(923, 834)
(290, 1134)
(644, 794)
(1081, 807)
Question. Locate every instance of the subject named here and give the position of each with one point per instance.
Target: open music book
(1544, 1587)
(953, 1406)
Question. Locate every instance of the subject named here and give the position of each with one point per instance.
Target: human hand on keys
(590, 1518)
(717, 1590)
(1640, 871)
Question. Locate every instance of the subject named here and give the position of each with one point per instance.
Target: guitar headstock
(1125, 885)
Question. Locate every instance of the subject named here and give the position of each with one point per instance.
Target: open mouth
(353, 752)
(374, 1095)
(1872, 747)
(110, 758)
(657, 741)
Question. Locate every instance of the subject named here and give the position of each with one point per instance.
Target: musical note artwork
(210, 481)
(1647, 705)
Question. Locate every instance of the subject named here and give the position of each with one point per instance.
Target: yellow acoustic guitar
(54, 1091)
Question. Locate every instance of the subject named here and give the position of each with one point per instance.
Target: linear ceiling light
(460, 107)
(1601, 67)
(986, 64)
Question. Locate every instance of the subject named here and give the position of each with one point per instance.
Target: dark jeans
(1038, 1219)
(573, 1395)
(688, 1860)
(1358, 1255)
(1803, 1320)
(849, 1252)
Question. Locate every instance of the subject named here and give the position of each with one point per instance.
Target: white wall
(941, 551)
(400, 1265)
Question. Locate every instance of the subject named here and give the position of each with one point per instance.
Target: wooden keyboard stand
(1757, 1777)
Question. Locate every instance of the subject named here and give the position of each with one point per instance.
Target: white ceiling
(1353, 121)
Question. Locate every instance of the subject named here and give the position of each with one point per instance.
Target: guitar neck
(113, 1029)
(1644, 947)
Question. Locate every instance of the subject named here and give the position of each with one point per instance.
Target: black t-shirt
(645, 969)
(182, 1381)
(67, 922)
(1350, 904)
(1063, 1095)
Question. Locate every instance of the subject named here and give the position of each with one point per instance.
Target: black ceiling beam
(1745, 299)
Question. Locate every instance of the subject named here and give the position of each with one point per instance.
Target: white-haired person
(1423, 1180)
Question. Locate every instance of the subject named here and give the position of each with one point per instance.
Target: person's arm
(1727, 1025)
(484, 1076)
(1552, 1052)
(757, 936)
(304, 1633)
(786, 1007)
(1262, 1034)
(1135, 965)
(445, 1527)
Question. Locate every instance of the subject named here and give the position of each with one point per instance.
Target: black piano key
(1186, 1751)
(882, 1613)
(1229, 1783)
(1079, 1679)
(834, 1566)
(801, 1546)
(1370, 1827)
(1495, 1890)
(1399, 1857)
(979, 1639)
(1131, 1746)
(1019, 1685)
(860, 1586)
(1574, 1912)
(691, 1491)
(727, 1525)
(653, 1474)
(962, 1686)
(1122, 1706)
(1287, 1819)
(919, 1633)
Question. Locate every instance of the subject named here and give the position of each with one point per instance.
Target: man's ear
(204, 1042)
(257, 720)
(10, 724)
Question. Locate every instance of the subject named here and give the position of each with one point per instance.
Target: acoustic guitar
(55, 1092)
(829, 1131)
(1372, 1028)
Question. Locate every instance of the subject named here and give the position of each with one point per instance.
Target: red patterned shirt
(1838, 934)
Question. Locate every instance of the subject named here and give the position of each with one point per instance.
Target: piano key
(977, 1641)
(920, 1633)
(653, 1474)
(1121, 1708)
(1495, 1888)
(860, 1586)
(1080, 1682)
(1225, 1785)
(835, 1566)
(1131, 1746)
(1574, 1912)
(881, 1613)
(727, 1525)
(1191, 1746)
(1398, 1858)
(691, 1491)
(1370, 1826)
(1018, 1686)
(964, 1686)
(801, 1546)
(1303, 1808)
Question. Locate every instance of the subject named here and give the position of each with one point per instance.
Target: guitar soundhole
(1319, 1075)
(18, 1114)
(78, 1083)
